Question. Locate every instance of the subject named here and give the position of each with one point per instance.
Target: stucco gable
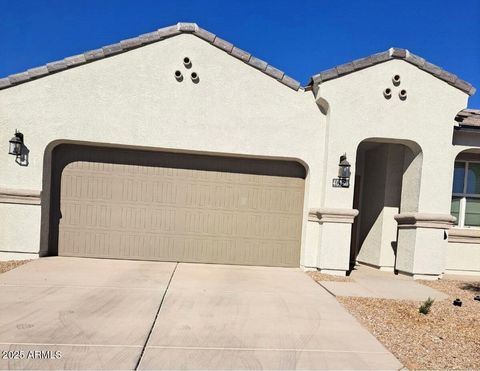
(146, 39)
(392, 53)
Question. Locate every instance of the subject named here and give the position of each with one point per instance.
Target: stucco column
(335, 231)
(422, 244)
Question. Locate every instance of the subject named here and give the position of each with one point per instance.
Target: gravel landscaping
(5, 266)
(317, 276)
(446, 338)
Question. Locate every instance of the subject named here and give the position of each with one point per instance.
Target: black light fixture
(18, 149)
(16, 144)
(343, 179)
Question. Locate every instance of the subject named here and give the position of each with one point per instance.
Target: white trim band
(424, 220)
(329, 215)
(20, 196)
(464, 235)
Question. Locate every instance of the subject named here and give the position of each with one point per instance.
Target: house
(178, 146)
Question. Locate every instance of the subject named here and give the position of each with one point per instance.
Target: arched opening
(387, 182)
(149, 204)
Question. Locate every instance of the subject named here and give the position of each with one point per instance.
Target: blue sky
(300, 37)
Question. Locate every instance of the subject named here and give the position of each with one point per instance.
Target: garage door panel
(93, 186)
(189, 249)
(116, 210)
(181, 222)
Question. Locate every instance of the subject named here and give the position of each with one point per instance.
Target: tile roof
(392, 53)
(194, 29)
(145, 39)
(468, 118)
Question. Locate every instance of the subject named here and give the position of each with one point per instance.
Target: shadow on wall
(22, 159)
(389, 174)
(394, 247)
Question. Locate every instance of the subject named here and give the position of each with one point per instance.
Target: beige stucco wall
(463, 258)
(423, 253)
(134, 99)
(19, 231)
(382, 180)
(358, 110)
(335, 256)
(370, 219)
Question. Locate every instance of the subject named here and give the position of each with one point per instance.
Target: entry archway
(387, 182)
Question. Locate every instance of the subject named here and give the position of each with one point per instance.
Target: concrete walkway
(112, 314)
(372, 283)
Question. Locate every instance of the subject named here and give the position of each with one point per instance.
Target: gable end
(145, 39)
(392, 53)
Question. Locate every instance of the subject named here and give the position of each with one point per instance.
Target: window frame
(464, 195)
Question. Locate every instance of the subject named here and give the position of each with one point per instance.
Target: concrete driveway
(74, 313)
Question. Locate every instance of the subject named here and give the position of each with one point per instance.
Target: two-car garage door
(178, 207)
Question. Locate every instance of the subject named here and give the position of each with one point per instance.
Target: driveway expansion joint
(129, 288)
(77, 345)
(155, 319)
(327, 290)
(246, 349)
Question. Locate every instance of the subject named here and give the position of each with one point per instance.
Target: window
(466, 193)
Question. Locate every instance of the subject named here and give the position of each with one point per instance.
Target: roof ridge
(142, 40)
(392, 53)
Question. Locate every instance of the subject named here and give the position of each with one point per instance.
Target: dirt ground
(446, 338)
(5, 266)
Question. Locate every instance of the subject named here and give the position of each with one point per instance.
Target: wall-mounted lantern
(343, 179)
(16, 144)
(18, 149)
